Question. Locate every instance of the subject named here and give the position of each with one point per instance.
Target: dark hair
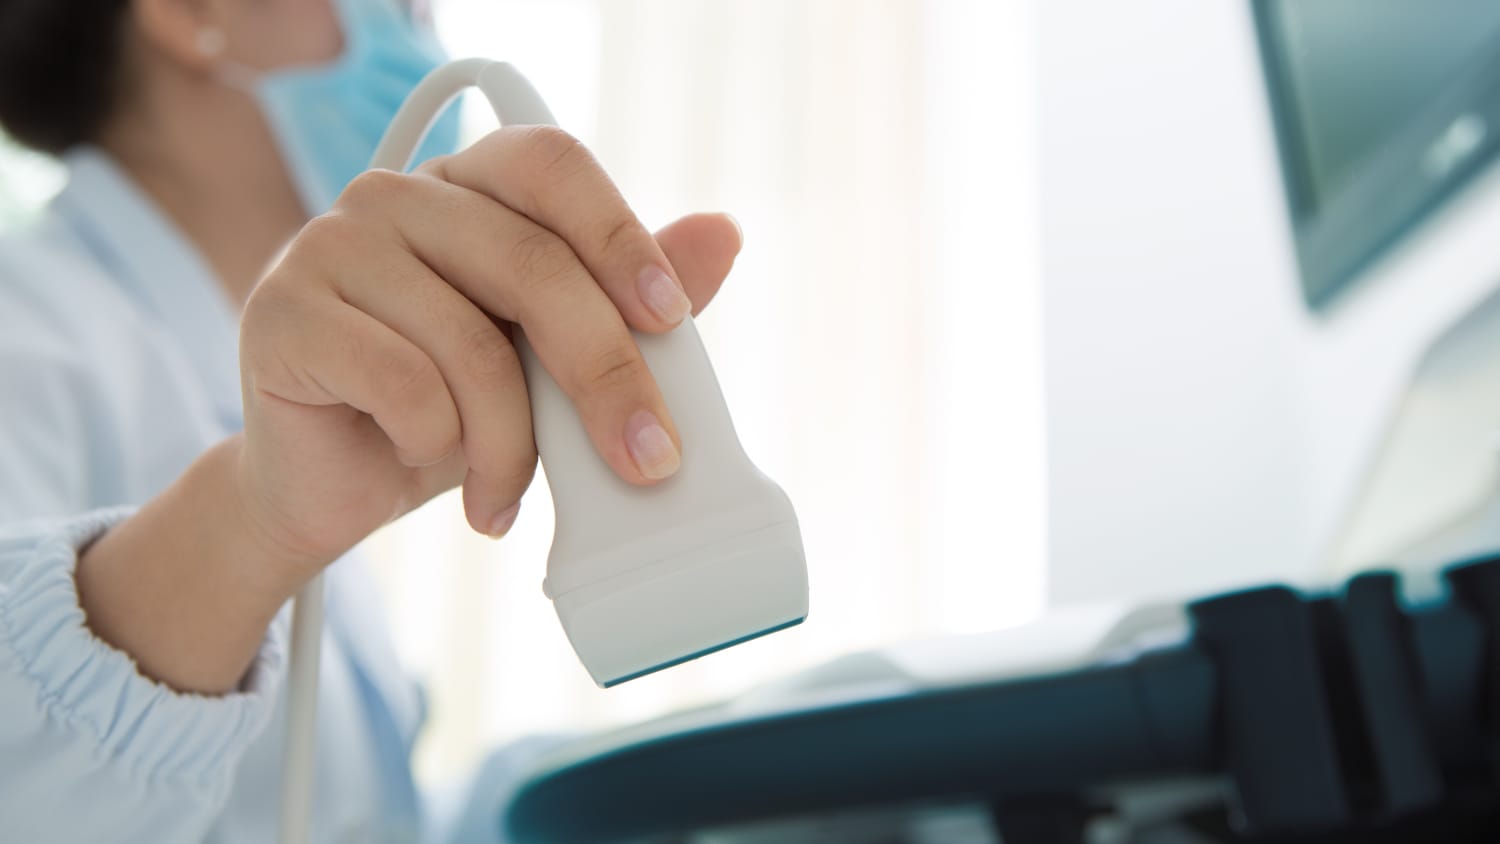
(59, 69)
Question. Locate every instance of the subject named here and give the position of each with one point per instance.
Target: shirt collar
(158, 267)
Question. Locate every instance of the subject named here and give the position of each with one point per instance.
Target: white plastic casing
(647, 577)
(644, 578)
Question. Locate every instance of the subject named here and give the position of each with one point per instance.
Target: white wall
(1204, 429)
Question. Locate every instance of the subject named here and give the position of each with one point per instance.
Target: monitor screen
(1382, 108)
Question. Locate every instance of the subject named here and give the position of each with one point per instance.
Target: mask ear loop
(514, 101)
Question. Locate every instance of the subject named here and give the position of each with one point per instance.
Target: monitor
(1382, 109)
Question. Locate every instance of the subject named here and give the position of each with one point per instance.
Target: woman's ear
(189, 33)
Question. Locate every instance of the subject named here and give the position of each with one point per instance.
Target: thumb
(702, 249)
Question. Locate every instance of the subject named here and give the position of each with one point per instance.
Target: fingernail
(737, 227)
(503, 522)
(662, 295)
(651, 446)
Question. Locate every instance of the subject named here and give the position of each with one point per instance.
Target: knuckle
(276, 323)
(554, 152)
(539, 257)
(508, 465)
(612, 367)
(326, 236)
(268, 304)
(263, 323)
(485, 355)
(349, 345)
(516, 478)
(620, 232)
(436, 167)
(408, 378)
(448, 442)
(374, 188)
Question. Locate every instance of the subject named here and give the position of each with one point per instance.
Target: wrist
(280, 563)
(188, 585)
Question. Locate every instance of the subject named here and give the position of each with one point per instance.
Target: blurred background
(1041, 303)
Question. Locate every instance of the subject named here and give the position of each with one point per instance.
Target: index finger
(545, 174)
(516, 270)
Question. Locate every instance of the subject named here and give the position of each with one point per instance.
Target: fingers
(702, 247)
(479, 366)
(321, 351)
(545, 174)
(389, 313)
(521, 271)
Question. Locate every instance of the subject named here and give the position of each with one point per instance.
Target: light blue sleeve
(92, 750)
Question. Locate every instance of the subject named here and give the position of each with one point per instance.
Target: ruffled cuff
(150, 731)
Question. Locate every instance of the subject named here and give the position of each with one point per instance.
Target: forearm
(187, 586)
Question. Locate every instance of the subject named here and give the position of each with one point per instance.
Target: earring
(211, 41)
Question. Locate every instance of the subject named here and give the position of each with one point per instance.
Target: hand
(376, 357)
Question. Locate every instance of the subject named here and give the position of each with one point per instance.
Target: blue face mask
(328, 119)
